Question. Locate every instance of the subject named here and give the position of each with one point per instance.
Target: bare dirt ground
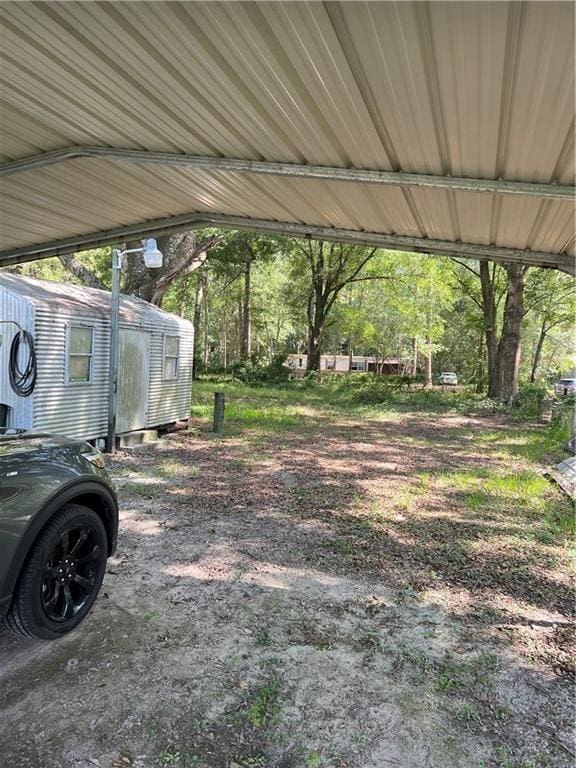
(332, 596)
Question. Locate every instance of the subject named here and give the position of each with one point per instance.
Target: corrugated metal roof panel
(477, 217)
(475, 89)
(77, 300)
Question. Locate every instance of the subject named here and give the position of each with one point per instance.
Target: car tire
(56, 590)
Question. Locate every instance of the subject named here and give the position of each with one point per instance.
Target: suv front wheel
(62, 575)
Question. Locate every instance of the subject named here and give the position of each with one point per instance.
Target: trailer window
(171, 356)
(80, 353)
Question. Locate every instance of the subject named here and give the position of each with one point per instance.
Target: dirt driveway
(365, 592)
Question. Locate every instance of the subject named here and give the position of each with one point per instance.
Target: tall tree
(509, 346)
(423, 296)
(326, 269)
(551, 300)
(502, 329)
(237, 252)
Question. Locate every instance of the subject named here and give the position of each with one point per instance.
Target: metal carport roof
(445, 127)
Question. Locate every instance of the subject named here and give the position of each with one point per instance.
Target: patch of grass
(475, 501)
(314, 759)
(265, 706)
(264, 637)
(524, 484)
(141, 489)
(425, 481)
(451, 674)
(468, 715)
(548, 514)
(343, 547)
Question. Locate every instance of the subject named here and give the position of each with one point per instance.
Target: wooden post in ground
(218, 412)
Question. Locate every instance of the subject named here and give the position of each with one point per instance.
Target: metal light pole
(153, 260)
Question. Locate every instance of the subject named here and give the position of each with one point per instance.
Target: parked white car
(565, 387)
(448, 377)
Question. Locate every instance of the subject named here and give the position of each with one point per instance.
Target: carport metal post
(153, 260)
(114, 332)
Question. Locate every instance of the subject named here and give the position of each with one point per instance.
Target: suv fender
(72, 492)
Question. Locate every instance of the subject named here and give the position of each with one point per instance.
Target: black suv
(58, 526)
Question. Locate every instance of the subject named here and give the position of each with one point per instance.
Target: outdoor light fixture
(152, 256)
(153, 260)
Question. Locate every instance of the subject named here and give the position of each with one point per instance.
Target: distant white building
(344, 364)
(70, 326)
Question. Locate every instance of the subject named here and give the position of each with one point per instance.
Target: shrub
(253, 373)
(563, 413)
(530, 400)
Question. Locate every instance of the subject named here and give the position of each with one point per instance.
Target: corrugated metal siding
(478, 89)
(81, 410)
(170, 400)
(76, 410)
(19, 309)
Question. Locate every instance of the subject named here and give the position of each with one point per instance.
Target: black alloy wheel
(62, 575)
(70, 573)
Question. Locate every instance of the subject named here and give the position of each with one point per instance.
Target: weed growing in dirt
(468, 715)
(264, 637)
(265, 706)
(169, 756)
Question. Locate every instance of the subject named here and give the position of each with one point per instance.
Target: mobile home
(70, 326)
(346, 364)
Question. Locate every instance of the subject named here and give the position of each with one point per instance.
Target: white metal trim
(164, 356)
(67, 382)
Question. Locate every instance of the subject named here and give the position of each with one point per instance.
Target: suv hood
(23, 442)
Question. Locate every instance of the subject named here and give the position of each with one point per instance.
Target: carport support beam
(291, 170)
(564, 262)
(113, 368)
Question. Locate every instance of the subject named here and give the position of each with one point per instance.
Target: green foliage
(531, 399)
(254, 374)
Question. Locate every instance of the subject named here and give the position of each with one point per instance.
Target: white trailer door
(133, 380)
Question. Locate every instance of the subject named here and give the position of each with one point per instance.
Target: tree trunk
(196, 323)
(415, 357)
(206, 335)
(86, 277)
(184, 295)
(480, 367)
(246, 338)
(428, 364)
(489, 308)
(538, 351)
(313, 359)
(510, 341)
